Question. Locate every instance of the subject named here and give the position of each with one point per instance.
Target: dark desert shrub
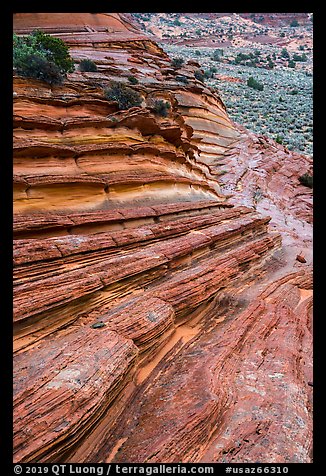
(217, 55)
(34, 66)
(125, 96)
(199, 75)
(133, 80)
(41, 56)
(161, 107)
(306, 180)
(253, 83)
(285, 53)
(177, 62)
(87, 65)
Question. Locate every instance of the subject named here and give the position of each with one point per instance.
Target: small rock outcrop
(160, 313)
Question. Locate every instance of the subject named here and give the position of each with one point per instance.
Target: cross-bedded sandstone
(157, 315)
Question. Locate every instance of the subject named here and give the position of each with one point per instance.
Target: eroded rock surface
(160, 313)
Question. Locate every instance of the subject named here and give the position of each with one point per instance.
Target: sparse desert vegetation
(277, 101)
(41, 56)
(87, 65)
(125, 97)
(283, 108)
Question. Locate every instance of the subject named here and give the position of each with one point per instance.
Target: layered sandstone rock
(267, 175)
(158, 318)
(223, 395)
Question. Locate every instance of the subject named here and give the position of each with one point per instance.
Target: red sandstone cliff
(160, 312)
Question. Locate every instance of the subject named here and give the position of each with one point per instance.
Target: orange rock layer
(156, 317)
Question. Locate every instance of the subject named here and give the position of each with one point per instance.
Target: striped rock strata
(157, 318)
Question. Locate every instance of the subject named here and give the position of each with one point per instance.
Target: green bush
(133, 80)
(208, 73)
(294, 23)
(297, 57)
(285, 53)
(161, 107)
(125, 96)
(177, 62)
(23, 47)
(199, 75)
(34, 66)
(42, 57)
(241, 58)
(306, 179)
(279, 139)
(56, 51)
(253, 83)
(87, 65)
(217, 55)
